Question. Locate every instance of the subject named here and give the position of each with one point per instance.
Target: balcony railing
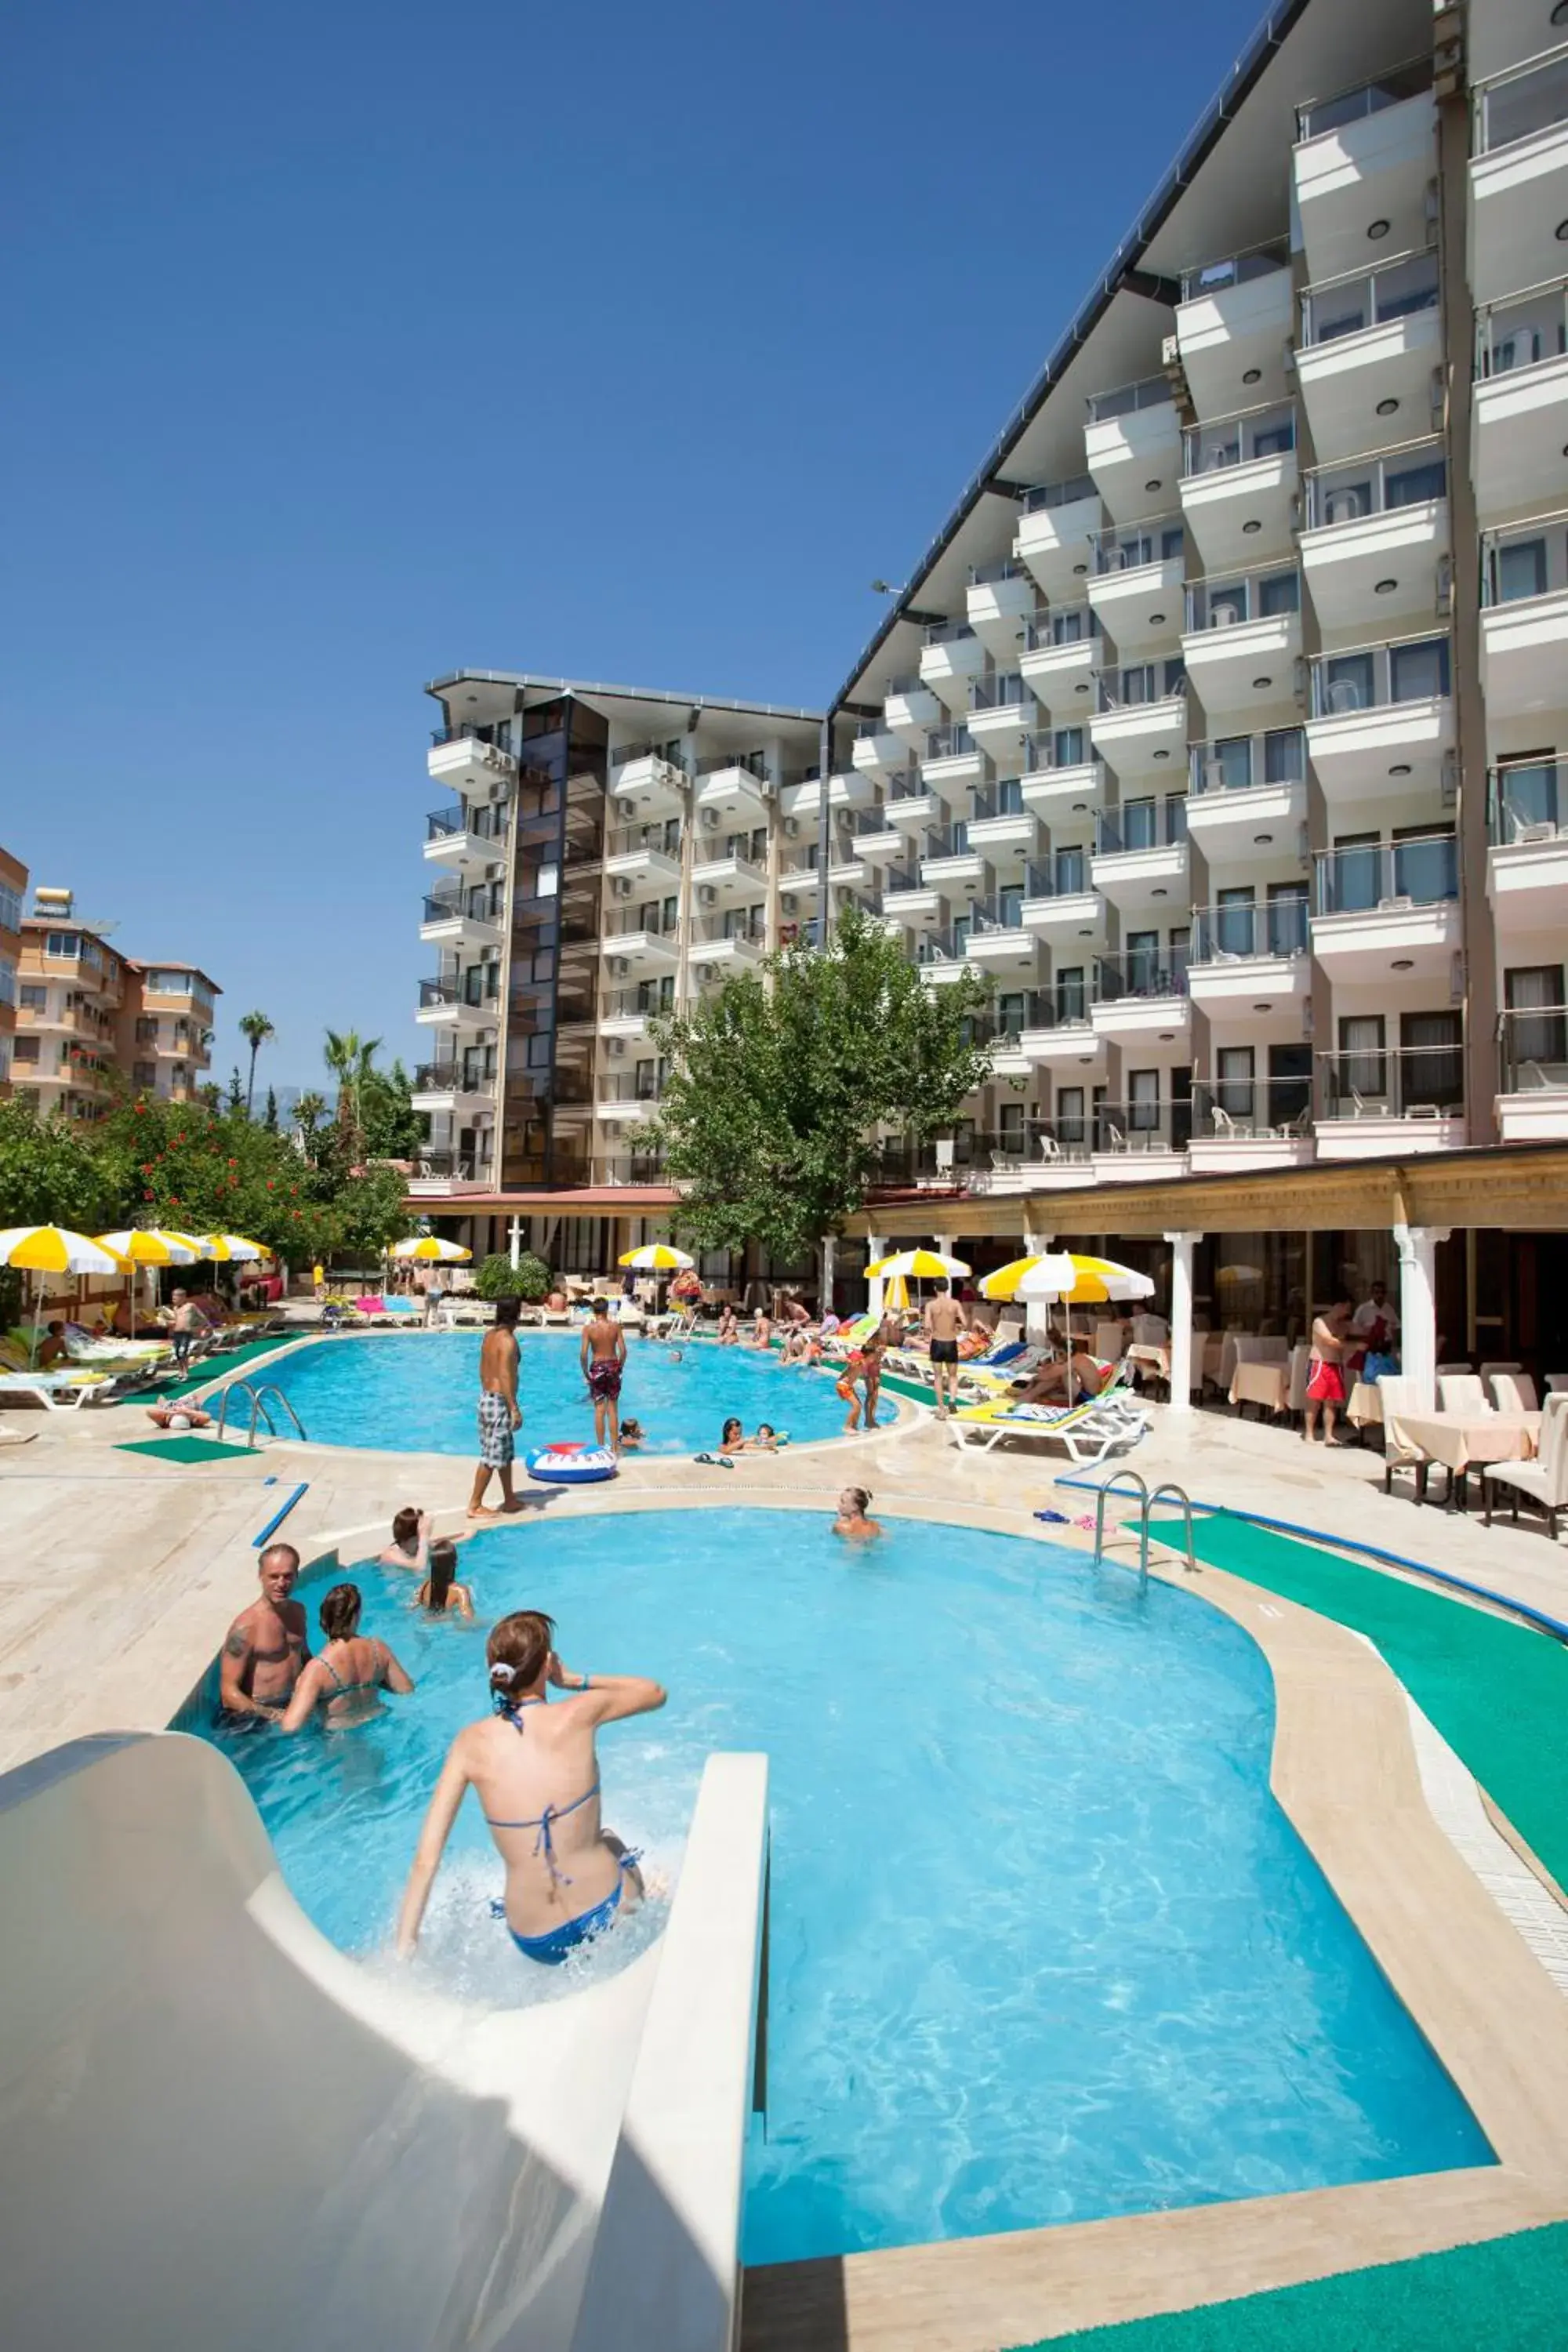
(1533, 1049)
(1406, 477)
(1527, 800)
(662, 839)
(947, 840)
(480, 823)
(1393, 1081)
(750, 928)
(1526, 99)
(634, 1167)
(900, 877)
(866, 728)
(439, 991)
(1264, 594)
(1235, 269)
(633, 1087)
(1003, 1027)
(1004, 799)
(1278, 927)
(1063, 746)
(465, 1166)
(1138, 975)
(1367, 97)
(946, 633)
(1140, 682)
(643, 1003)
(1005, 912)
(482, 904)
(1003, 691)
(1001, 567)
(752, 763)
(869, 825)
(1524, 329)
(671, 755)
(1251, 1110)
(453, 1077)
(1157, 1125)
(1235, 762)
(1383, 876)
(1064, 874)
(1372, 297)
(1152, 392)
(650, 919)
(1267, 432)
(941, 947)
(467, 732)
(948, 742)
(1412, 669)
(1064, 625)
(1046, 495)
(905, 785)
(1141, 825)
(1127, 546)
(1527, 559)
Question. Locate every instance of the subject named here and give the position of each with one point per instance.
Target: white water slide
(216, 2130)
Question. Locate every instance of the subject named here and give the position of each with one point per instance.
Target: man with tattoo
(268, 1647)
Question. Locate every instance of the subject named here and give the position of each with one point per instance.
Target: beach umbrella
(655, 1257)
(1005, 1283)
(1070, 1280)
(229, 1248)
(428, 1246)
(918, 1265)
(151, 1245)
(54, 1249)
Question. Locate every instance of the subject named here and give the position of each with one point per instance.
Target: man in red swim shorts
(603, 1359)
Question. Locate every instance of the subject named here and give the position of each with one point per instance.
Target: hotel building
(1219, 724)
(13, 890)
(89, 1019)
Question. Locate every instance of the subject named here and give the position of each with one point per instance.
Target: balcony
(952, 866)
(1136, 1143)
(1238, 484)
(1141, 724)
(1233, 326)
(463, 918)
(802, 802)
(998, 941)
(1370, 347)
(1388, 907)
(1527, 859)
(1141, 854)
(1247, 796)
(726, 944)
(463, 760)
(1240, 1123)
(1250, 962)
(1061, 657)
(1142, 997)
(1059, 1035)
(448, 1086)
(467, 839)
(942, 955)
(1133, 446)
(1002, 712)
(1376, 527)
(912, 902)
(877, 838)
(647, 854)
(1525, 617)
(448, 1175)
(467, 1003)
(1519, 175)
(631, 950)
(1243, 639)
(626, 1099)
(735, 785)
(1380, 1102)
(1002, 597)
(1381, 720)
(1054, 532)
(1060, 903)
(647, 783)
(877, 751)
(952, 760)
(910, 805)
(800, 886)
(911, 711)
(1136, 587)
(951, 656)
(1519, 422)
(1362, 164)
(1001, 825)
(1532, 1074)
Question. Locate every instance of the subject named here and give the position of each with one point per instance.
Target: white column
(829, 1253)
(516, 1240)
(876, 1283)
(1182, 1320)
(1417, 1247)
(1036, 1312)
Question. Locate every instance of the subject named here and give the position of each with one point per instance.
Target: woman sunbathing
(1091, 1374)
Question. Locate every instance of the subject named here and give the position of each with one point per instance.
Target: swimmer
(347, 1680)
(768, 1438)
(536, 1771)
(631, 1435)
(268, 1646)
(440, 1595)
(411, 1541)
(761, 1329)
(729, 1332)
(854, 1504)
(603, 1358)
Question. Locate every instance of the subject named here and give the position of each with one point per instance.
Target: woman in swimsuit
(854, 1504)
(537, 1775)
(348, 1677)
(440, 1595)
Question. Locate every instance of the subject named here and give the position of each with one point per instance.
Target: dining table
(1458, 1442)
(1261, 1382)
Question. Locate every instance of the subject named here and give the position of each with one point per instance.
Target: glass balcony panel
(1398, 290)
(1213, 277)
(1358, 876)
(1413, 670)
(1533, 1048)
(1369, 98)
(1238, 440)
(1524, 330)
(1521, 104)
(1049, 495)
(1152, 393)
(1524, 799)
(1395, 1081)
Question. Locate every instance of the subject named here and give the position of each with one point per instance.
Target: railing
(1533, 1049)
(660, 837)
(941, 947)
(1410, 669)
(1252, 1109)
(1005, 690)
(1526, 99)
(750, 764)
(732, 848)
(1141, 825)
(668, 755)
(1064, 747)
(632, 1088)
(1389, 89)
(750, 930)
(1047, 496)
(1138, 975)
(643, 1004)
(1152, 392)
(1264, 594)
(1526, 558)
(947, 841)
(648, 918)
(1004, 799)
(1063, 876)
(442, 823)
(439, 991)
(467, 732)
(1005, 912)
(1526, 801)
(908, 682)
(1065, 624)
(1522, 330)
(637, 1168)
(948, 742)
(1063, 1006)
(1140, 682)
(1254, 261)
(1277, 927)
(1397, 1081)
(453, 1077)
(482, 904)
(865, 729)
(1409, 476)
(465, 1166)
(1012, 1013)
(1128, 547)
(946, 633)
(1142, 1125)
(1267, 432)
(1371, 877)
(870, 825)
(1233, 763)
(900, 877)
(1372, 298)
(905, 785)
(1001, 567)
(478, 823)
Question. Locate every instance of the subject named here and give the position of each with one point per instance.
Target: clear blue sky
(352, 343)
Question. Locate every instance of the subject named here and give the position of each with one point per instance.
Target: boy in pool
(854, 1504)
(631, 1435)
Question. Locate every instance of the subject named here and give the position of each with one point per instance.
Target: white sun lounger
(1088, 1432)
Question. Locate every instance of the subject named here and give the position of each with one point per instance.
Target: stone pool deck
(123, 1570)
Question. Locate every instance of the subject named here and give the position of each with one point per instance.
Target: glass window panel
(1284, 760)
(1347, 683)
(1417, 672)
(1410, 485)
(1279, 593)
(1521, 570)
(1528, 795)
(1138, 824)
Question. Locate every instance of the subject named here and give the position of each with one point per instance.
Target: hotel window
(1069, 1115)
(1362, 1067)
(1533, 995)
(32, 998)
(62, 943)
(1010, 1124)
(8, 980)
(26, 1049)
(1233, 1073)
(1072, 998)
(1143, 1101)
(10, 909)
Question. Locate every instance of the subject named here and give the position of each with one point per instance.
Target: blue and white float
(570, 1464)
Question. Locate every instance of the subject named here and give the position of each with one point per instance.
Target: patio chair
(1545, 1480)
(1454, 1368)
(1398, 1453)
(1300, 1373)
(1463, 1392)
(1088, 1432)
(1514, 1392)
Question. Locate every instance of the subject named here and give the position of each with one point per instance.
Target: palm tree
(308, 1109)
(255, 1028)
(350, 1059)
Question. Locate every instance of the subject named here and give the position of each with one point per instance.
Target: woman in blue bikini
(537, 1775)
(346, 1679)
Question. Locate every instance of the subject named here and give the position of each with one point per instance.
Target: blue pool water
(415, 1392)
(1044, 1948)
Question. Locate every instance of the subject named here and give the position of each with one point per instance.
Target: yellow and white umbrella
(655, 1257)
(151, 1245)
(921, 1265)
(229, 1248)
(54, 1249)
(430, 1246)
(1066, 1278)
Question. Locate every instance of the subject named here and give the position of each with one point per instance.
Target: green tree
(256, 1029)
(55, 1172)
(530, 1279)
(309, 1109)
(269, 1118)
(391, 1127)
(235, 1099)
(780, 1085)
(350, 1058)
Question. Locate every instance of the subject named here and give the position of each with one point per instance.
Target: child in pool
(441, 1595)
(854, 1504)
(631, 1436)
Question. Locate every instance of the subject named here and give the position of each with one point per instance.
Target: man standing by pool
(501, 1415)
(942, 1321)
(603, 1358)
(268, 1646)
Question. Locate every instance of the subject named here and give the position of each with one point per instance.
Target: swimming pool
(1043, 1947)
(416, 1392)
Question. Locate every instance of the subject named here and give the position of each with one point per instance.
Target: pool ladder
(1145, 1512)
(258, 1409)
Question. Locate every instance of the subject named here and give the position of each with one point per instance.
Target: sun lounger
(69, 1392)
(1087, 1432)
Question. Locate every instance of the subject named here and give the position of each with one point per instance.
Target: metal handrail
(1139, 1481)
(1185, 1500)
(258, 1409)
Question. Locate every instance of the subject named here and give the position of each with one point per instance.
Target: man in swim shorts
(268, 1646)
(501, 1415)
(942, 1321)
(603, 1354)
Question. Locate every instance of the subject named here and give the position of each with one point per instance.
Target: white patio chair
(1545, 1480)
(1463, 1392)
(1514, 1392)
(1398, 1451)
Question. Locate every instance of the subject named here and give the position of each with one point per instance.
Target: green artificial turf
(1510, 2294)
(219, 1368)
(1496, 1690)
(181, 1447)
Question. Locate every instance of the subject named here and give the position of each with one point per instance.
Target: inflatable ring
(570, 1464)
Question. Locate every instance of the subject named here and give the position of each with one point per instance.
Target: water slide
(216, 2128)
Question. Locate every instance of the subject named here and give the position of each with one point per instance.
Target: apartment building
(13, 890)
(164, 1036)
(90, 1020)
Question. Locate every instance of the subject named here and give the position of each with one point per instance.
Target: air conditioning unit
(788, 903)
(710, 818)
(792, 827)
(706, 972)
(622, 885)
(615, 1047)
(627, 810)
(502, 792)
(620, 967)
(1223, 616)
(707, 896)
